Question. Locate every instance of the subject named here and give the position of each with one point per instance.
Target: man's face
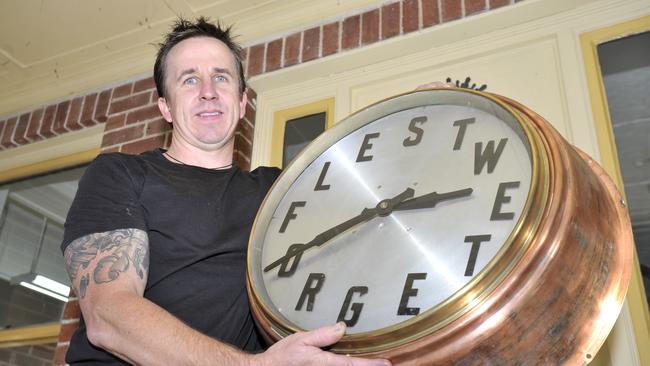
(203, 99)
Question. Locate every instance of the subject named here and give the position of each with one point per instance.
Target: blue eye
(190, 81)
(220, 78)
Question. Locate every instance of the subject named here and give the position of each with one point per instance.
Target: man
(155, 244)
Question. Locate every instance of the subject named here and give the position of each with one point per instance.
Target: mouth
(209, 114)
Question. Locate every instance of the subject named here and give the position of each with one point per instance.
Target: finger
(323, 336)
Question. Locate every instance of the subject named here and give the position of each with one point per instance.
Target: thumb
(324, 336)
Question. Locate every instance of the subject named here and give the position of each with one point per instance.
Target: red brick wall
(133, 123)
(69, 323)
(53, 120)
(374, 25)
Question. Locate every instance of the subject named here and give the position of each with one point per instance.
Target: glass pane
(19, 240)
(50, 262)
(20, 306)
(31, 232)
(299, 132)
(41, 354)
(625, 64)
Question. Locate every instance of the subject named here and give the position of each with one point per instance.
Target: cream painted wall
(529, 52)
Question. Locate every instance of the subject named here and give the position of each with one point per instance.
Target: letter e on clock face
(392, 214)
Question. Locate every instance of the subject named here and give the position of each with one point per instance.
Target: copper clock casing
(551, 298)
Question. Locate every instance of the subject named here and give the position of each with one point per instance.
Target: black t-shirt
(198, 222)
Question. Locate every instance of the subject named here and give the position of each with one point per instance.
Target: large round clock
(444, 226)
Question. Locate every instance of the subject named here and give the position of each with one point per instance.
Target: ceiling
(50, 50)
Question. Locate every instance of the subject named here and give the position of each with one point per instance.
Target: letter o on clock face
(399, 220)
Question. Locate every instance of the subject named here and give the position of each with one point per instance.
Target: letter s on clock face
(397, 218)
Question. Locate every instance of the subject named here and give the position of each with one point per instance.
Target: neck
(209, 159)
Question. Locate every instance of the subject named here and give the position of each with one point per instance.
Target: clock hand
(383, 208)
(430, 200)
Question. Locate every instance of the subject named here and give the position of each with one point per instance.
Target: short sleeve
(107, 198)
(266, 175)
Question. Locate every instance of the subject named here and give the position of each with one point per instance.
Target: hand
(431, 199)
(304, 349)
(383, 208)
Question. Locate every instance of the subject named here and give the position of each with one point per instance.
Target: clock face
(393, 213)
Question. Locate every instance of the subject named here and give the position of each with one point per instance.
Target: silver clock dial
(404, 257)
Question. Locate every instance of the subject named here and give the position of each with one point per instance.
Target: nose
(208, 91)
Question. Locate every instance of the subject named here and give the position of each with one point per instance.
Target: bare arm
(109, 272)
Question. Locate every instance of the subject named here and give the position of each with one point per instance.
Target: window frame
(44, 332)
(589, 43)
(281, 117)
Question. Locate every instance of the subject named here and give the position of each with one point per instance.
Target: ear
(164, 109)
(242, 105)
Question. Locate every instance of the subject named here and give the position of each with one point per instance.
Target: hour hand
(430, 200)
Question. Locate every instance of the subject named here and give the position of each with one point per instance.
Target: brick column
(244, 133)
(69, 323)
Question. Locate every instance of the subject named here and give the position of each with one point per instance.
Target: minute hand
(383, 208)
(430, 200)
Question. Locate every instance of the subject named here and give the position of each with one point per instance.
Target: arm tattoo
(109, 268)
(83, 284)
(119, 250)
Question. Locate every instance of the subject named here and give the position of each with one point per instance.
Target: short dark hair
(184, 29)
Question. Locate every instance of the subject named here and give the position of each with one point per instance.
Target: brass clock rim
(465, 298)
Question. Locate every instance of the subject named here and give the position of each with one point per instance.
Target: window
(627, 165)
(299, 132)
(35, 195)
(625, 66)
(294, 128)
(34, 284)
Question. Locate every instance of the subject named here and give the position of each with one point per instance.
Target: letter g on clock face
(394, 216)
